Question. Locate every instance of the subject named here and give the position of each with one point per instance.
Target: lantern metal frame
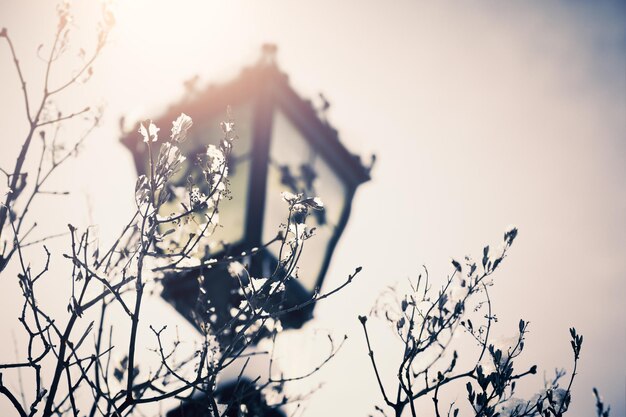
(267, 89)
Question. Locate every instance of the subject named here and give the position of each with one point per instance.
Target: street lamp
(283, 145)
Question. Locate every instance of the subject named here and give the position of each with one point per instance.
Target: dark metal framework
(268, 90)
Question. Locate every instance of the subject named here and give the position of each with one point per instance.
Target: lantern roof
(250, 85)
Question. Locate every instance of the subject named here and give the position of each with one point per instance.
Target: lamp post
(283, 145)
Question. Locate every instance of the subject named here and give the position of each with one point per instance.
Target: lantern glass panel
(296, 167)
(231, 211)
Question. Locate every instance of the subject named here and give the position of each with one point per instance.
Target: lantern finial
(268, 53)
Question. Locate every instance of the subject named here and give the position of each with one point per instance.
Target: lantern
(283, 145)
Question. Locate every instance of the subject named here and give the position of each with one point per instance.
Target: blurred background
(481, 115)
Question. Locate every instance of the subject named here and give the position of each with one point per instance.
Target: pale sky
(481, 114)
